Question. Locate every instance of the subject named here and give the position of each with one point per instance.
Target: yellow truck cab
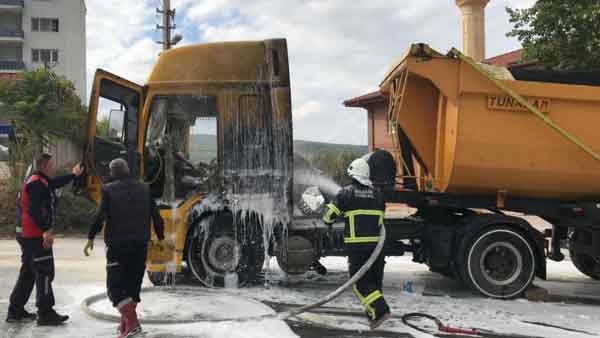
(211, 133)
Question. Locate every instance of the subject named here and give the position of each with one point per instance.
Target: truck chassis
(475, 239)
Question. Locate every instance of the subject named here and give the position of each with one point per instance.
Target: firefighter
(35, 237)
(361, 204)
(127, 207)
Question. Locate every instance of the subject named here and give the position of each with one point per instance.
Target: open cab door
(113, 121)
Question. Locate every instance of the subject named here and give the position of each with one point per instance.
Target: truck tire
(296, 256)
(160, 278)
(586, 264)
(219, 256)
(498, 262)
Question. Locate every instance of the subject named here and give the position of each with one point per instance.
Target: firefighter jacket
(38, 203)
(362, 208)
(127, 207)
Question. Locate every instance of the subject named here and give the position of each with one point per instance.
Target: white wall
(70, 40)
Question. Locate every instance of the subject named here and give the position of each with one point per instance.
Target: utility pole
(168, 16)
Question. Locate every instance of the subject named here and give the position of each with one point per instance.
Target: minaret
(473, 27)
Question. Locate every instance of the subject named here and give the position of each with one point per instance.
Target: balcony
(11, 35)
(11, 66)
(12, 5)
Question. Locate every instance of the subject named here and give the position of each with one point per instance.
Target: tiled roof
(506, 59)
(362, 100)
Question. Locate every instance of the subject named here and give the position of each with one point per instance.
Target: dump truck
(211, 133)
(481, 147)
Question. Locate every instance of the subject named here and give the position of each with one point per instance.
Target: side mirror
(116, 122)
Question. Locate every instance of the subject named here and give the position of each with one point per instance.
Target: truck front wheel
(160, 278)
(218, 255)
(498, 262)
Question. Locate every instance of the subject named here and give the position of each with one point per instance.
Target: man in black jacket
(362, 206)
(35, 236)
(127, 207)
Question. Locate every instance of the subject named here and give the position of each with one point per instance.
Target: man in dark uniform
(362, 206)
(35, 236)
(127, 207)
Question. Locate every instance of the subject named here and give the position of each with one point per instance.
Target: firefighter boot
(373, 324)
(132, 325)
(380, 313)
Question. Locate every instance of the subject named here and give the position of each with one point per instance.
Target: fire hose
(87, 302)
(477, 332)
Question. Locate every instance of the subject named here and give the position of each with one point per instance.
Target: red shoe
(132, 325)
(121, 327)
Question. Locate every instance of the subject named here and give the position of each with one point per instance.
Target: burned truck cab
(211, 133)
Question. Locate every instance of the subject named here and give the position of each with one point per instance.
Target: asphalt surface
(78, 277)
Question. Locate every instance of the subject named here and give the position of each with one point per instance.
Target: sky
(338, 49)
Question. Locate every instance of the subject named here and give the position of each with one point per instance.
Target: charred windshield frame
(170, 124)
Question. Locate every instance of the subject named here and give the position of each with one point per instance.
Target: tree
(560, 34)
(42, 107)
(102, 127)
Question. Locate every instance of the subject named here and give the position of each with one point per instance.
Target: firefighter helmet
(359, 170)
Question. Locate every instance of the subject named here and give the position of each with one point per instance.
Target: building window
(44, 55)
(44, 25)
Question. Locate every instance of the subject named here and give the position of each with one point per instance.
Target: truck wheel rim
(223, 254)
(501, 263)
(491, 293)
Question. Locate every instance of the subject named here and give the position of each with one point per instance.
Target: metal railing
(19, 3)
(12, 65)
(12, 33)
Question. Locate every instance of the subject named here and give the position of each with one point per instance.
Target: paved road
(79, 277)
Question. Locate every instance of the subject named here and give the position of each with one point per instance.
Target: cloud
(120, 38)
(307, 109)
(338, 49)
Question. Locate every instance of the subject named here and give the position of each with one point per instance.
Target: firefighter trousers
(125, 267)
(368, 288)
(37, 268)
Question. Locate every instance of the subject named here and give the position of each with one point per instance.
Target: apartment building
(44, 33)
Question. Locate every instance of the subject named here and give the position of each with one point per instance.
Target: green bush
(74, 213)
(8, 211)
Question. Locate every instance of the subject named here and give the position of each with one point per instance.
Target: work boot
(51, 318)
(121, 327)
(19, 316)
(373, 324)
(132, 325)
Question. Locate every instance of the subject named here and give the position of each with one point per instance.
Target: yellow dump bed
(473, 137)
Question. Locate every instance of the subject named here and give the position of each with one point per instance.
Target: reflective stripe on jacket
(362, 208)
